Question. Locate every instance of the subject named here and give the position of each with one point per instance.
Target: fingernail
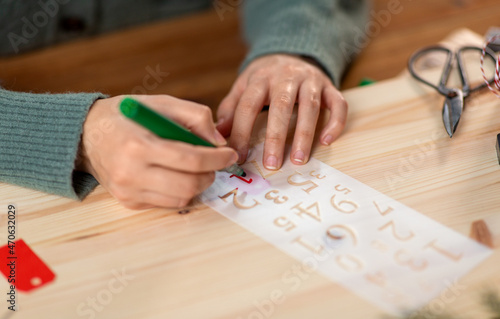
(219, 138)
(299, 156)
(328, 140)
(271, 162)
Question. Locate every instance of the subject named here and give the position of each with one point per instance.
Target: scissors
(454, 97)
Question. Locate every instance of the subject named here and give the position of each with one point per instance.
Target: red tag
(23, 268)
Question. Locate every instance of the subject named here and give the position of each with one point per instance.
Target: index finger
(250, 104)
(189, 158)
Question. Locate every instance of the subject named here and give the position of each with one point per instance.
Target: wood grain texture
(201, 265)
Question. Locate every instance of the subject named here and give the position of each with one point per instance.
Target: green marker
(166, 128)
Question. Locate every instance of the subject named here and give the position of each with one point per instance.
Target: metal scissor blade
(452, 111)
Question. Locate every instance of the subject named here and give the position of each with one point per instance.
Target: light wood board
(201, 265)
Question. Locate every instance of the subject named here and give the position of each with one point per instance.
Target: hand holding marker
(166, 128)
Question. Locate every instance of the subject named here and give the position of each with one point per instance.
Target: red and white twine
(495, 87)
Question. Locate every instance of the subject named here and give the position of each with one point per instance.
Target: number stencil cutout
(371, 244)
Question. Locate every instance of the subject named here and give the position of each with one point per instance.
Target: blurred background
(197, 56)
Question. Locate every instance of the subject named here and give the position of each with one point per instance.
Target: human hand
(281, 80)
(142, 170)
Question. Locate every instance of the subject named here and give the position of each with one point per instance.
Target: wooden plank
(201, 265)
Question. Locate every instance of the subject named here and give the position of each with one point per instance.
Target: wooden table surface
(201, 265)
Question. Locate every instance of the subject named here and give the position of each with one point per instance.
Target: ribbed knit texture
(39, 139)
(319, 29)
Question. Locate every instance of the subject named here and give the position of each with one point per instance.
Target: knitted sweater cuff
(322, 30)
(39, 140)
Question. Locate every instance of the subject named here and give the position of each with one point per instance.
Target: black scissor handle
(466, 85)
(441, 87)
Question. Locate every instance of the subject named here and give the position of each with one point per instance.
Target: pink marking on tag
(23, 268)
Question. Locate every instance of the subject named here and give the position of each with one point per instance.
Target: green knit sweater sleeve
(329, 31)
(39, 139)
